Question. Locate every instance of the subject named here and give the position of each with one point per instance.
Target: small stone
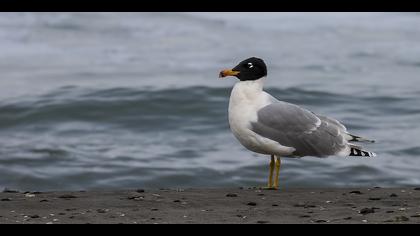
(177, 200)
(390, 212)
(6, 199)
(34, 216)
(356, 192)
(401, 218)
(374, 198)
(251, 203)
(154, 209)
(274, 205)
(262, 222)
(140, 191)
(304, 216)
(67, 196)
(102, 211)
(415, 216)
(136, 198)
(304, 205)
(366, 211)
(393, 195)
(321, 221)
(44, 200)
(30, 195)
(348, 218)
(231, 195)
(417, 189)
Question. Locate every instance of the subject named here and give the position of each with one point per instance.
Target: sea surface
(133, 100)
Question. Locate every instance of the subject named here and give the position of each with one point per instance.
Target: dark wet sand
(352, 205)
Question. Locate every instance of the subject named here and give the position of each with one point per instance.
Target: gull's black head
(250, 69)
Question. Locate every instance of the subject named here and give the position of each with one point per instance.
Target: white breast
(246, 99)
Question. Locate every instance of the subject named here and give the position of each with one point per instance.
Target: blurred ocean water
(122, 100)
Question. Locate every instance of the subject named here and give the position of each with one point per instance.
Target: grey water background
(126, 100)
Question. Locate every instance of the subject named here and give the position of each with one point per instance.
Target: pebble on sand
(67, 196)
(102, 211)
(304, 205)
(262, 222)
(366, 211)
(401, 218)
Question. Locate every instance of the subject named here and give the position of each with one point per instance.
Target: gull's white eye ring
(250, 65)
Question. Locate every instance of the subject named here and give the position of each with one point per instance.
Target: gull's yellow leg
(270, 177)
(276, 180)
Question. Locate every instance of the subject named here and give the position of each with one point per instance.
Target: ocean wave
(172, 108)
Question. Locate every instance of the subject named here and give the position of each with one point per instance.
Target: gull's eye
(250, 65)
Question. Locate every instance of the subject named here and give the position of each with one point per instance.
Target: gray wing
(293, 126)
(332, 122)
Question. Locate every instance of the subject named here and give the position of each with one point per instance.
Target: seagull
(276, 128)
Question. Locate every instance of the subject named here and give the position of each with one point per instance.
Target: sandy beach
(210, 206)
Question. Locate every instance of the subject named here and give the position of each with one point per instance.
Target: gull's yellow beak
(225, 73)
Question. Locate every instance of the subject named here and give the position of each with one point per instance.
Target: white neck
(249, 88)
(247, 94)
